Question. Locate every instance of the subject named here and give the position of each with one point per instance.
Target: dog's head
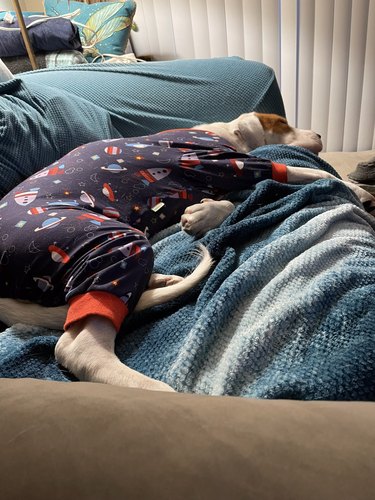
(251, 130)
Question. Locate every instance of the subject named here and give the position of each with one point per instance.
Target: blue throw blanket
(287, 312)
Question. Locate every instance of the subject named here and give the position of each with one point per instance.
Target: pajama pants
(77, 231)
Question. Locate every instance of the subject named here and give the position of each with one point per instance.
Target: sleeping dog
(252, 130)
(77, 232)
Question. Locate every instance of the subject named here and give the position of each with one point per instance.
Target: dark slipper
(364, 173)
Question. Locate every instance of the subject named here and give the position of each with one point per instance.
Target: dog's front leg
(303, 175)
(208, 214)
(87, 350)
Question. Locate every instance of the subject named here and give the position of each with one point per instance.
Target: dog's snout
(319, 136)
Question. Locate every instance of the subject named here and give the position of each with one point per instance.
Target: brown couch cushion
(91, 441)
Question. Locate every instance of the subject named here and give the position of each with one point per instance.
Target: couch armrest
(91, 441)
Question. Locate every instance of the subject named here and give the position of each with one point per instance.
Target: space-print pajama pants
(77, 231)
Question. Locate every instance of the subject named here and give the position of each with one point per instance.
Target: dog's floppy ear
(249, 132)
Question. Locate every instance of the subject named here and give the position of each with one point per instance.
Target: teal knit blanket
(288, 310)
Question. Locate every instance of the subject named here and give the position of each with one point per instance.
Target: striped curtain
(322, 51)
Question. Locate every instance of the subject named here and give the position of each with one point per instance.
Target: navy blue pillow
(48, 36)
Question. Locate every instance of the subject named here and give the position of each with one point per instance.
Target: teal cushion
(106, 27)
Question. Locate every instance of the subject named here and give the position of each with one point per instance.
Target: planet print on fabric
(87, 198)
(63, 203)
(114, 168)
(138, 145)
(50, 223)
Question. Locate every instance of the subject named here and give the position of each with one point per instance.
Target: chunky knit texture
(287, 312)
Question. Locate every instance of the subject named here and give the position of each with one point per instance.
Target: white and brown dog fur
(87, 349)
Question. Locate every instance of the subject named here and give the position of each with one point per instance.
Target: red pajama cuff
(96, 303)
(279, 172)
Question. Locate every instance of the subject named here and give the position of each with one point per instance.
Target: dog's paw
(208, 214)
(365, 197)
(86, 355)
(123, 376)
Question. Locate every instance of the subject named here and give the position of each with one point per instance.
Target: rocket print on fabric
(237, 165)
(37, 210)
(153, 174)
(113, 150)
(58, 254)
(156, 201)
(93, 218)
(125, 298)
(189, 160)
(26, 197)
(129, 249)
(107, 191)
(54, 170)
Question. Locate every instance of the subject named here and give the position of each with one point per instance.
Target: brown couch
(95, 442)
